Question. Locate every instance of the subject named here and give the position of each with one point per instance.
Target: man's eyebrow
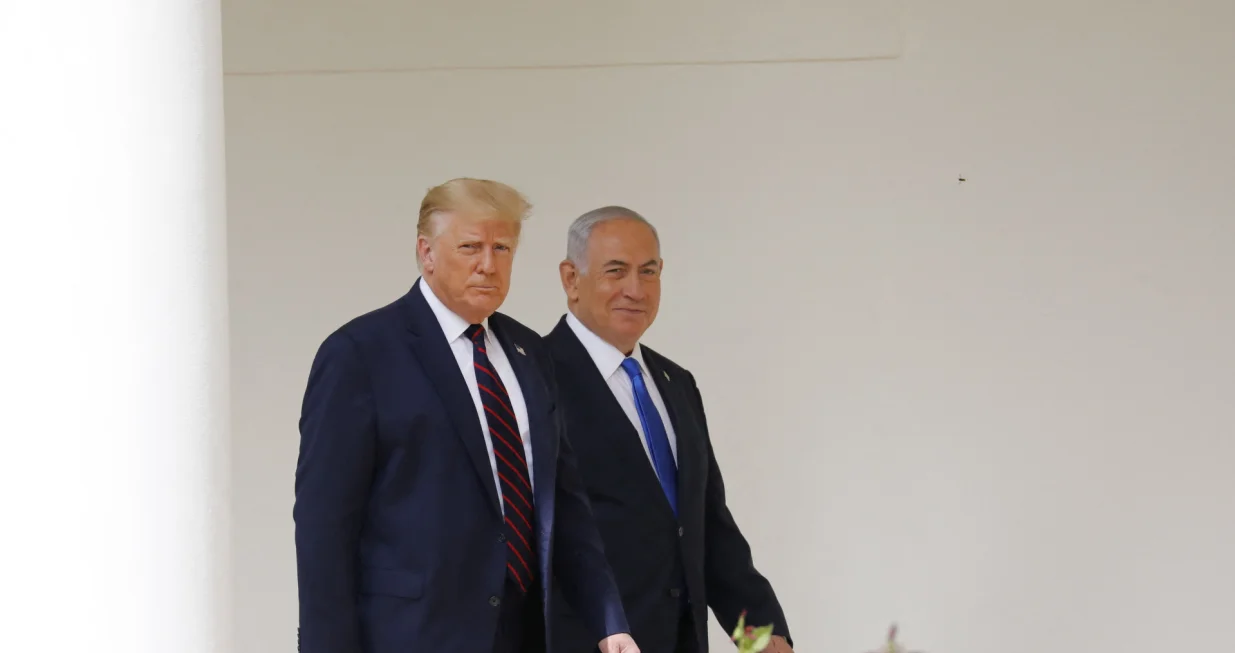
(649, 262)
(613, 261)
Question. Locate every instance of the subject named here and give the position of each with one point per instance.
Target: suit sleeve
(734, 585)
(579, 561)
(333, 475)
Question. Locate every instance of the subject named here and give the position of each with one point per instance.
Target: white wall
(998, 411)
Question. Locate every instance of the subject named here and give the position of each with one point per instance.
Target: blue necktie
(654, 430)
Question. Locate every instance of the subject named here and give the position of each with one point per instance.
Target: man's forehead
(626, 250)
(474, 225)
(624, 262)
(628, 243)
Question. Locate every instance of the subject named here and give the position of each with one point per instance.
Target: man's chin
(631, 330)
(631, 319)
(485, 305)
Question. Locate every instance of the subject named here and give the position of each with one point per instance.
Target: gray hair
(580, 231)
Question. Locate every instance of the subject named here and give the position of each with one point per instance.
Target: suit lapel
(538, 402)
(440, 365)
(544, 441)
(619, 435)
(677, 402)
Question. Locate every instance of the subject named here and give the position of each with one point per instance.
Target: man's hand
(621, 643)
(778, 645)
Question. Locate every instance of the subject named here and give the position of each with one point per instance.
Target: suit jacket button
(501, 538)
(494, 601)
(680, 531)
(675, 593)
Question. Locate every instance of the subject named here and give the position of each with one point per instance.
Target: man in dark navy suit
(637, 424)
(438, 507)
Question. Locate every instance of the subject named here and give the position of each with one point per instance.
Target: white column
(113, 328)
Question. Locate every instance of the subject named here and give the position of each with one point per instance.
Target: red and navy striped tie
(512, 470)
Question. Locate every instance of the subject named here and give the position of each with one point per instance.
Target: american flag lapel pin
(520, 350)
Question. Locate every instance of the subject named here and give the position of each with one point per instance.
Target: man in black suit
(637, 424)
(438, 507)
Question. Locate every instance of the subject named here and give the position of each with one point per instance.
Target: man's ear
(424, 252)
(570, 279)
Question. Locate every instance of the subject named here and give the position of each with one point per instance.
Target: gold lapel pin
(520, 350)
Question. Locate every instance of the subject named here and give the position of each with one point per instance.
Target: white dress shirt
(608, 360)
(453, 327)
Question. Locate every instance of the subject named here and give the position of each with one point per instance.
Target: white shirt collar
(452, 325)
(608, 359)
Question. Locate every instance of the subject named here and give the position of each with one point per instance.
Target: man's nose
(487, 262)
(634, 287)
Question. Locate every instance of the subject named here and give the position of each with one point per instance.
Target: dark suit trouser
(687, 642)
(521, 622)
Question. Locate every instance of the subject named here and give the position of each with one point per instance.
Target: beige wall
(997, 411)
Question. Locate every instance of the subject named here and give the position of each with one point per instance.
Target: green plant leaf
(761, 637)
(740, 631)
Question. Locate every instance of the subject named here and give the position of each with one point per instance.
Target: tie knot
(632, 367)
(475, 332)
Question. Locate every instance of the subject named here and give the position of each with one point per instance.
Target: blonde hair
(473, 197)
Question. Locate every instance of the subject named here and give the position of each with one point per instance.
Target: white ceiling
(332, 35)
